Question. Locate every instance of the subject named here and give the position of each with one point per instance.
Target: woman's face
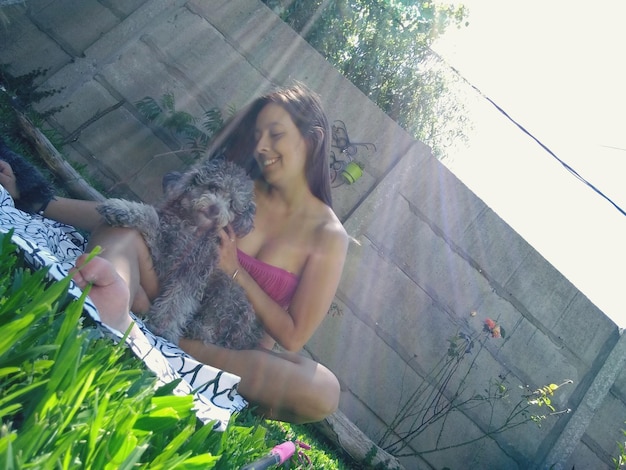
(280, 150)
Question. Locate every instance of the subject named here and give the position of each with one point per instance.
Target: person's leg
(126, 250)
(109, 292)
(285, 387)
(122, 276)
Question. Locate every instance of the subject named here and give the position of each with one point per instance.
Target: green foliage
(71, 398)
(21, 93)
(164, 114)
(11, 89)
(25, 90)
(433, 402)
(383, 48)
(312, 449)
(620, 461)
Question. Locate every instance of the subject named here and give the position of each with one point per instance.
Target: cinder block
(204, 62)
(441, 198)
(584, 457)
(123, 8)
(423, 253)
(552, 301)
(81, 106)
(495, 248)
(619, 387)
(358, 367)
(584, 323)
(129, 151)
(482, 454)
(607, 427)
(25, 48)
(59, 19)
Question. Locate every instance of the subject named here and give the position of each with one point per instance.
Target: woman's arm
(312, 299)
(318, 285)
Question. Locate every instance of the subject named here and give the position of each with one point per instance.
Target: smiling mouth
(269, 162)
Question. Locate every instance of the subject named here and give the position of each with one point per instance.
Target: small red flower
(493, 328)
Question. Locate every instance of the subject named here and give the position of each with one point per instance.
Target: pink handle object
(284, 451)
(277, 456)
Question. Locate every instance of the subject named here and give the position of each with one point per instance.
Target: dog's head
(213, 194)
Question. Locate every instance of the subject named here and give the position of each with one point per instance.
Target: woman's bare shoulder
(329, 229)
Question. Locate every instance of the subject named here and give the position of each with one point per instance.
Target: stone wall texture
(430, 260)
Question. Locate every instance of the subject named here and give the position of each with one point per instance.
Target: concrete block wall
(429, 252)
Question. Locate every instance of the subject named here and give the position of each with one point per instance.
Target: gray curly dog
(196, 299)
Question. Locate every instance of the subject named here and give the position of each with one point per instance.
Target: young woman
(289, 265)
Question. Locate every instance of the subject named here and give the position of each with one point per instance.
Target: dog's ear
(169, 181)
(243, 222)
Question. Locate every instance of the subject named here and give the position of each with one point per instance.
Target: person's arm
(315, 292)
(75, 212)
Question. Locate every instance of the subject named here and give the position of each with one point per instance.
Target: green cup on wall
(352, 172)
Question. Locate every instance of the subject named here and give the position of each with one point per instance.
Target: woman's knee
(327, 392)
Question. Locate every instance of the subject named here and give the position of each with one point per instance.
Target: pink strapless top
(279, 284)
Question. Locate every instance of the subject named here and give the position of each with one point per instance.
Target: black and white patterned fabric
(45, 242)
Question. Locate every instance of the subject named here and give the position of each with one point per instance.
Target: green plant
(180, 125)
(71, 398)
(620, 461)
(436, 399)
(383, 48)
(164, 114)
(313, 451)
(17, 96)
(25, 91)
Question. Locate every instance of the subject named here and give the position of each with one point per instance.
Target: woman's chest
(283, 243)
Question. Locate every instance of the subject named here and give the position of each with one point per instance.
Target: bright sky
(557, 67)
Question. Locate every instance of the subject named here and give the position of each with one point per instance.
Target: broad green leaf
(12, 332)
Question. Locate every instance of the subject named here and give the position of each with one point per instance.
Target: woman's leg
(283, 386)
(286, 386)
(109, 292)
(122, 276)
(126, 250)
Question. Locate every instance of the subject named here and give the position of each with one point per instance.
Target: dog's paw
(123, 213)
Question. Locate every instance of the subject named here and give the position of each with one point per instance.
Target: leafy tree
(383, 48)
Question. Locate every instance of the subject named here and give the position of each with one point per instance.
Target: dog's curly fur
(196, 300)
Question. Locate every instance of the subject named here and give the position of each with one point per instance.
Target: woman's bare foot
(109, 292)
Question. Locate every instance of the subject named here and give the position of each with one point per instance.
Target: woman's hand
(229, 262)
(8, 180)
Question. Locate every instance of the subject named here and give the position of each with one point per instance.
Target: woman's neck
(290, 198)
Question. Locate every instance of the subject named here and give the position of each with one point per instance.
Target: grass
(71, 398)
